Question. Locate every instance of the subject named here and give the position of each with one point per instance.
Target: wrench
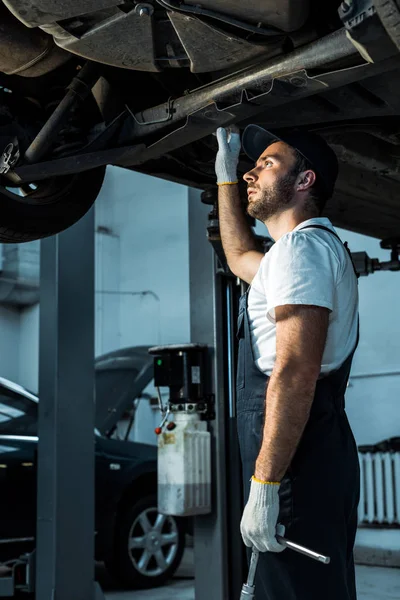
(248, 588)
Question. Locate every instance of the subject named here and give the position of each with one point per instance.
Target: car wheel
(148, 546)
(47, 207)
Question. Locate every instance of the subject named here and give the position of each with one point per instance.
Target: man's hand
(227, 155)
(260, 516)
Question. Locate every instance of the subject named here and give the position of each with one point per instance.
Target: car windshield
(18, 414)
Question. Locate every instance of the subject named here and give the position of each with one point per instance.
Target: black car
(144, 85)
(140, 547)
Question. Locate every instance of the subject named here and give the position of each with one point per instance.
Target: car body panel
(18, 460)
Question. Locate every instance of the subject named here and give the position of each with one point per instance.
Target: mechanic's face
(271, 184)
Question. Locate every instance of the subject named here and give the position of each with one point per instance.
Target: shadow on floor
(184, 573)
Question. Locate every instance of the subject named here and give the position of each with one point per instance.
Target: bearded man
(297, 330)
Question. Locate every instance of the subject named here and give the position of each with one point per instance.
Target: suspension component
(365, 265)
(9, 156)
(79, 88)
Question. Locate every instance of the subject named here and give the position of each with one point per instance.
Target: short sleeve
(301, 269)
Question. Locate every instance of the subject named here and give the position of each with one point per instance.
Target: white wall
(9, 343)
(107, 268)
(373, 402)
(144, 263)
(28, 366)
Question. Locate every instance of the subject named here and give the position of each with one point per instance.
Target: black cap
(310, 145)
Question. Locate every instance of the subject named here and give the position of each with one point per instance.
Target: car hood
(121, 376)
(119, 449)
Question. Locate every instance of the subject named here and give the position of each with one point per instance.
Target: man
(297, 329)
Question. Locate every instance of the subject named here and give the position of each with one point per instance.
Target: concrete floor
(373, 583)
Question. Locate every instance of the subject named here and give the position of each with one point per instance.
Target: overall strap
(345, 244)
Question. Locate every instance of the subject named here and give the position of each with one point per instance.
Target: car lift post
(218, 549)
(65, 508)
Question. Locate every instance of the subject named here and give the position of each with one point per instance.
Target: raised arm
(238, 241)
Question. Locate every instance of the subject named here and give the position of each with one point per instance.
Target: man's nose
(250, 176)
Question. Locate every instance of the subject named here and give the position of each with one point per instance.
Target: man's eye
(268, 163)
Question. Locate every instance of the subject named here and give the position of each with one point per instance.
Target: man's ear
(306, 180)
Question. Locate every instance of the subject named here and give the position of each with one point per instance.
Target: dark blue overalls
(319, 493)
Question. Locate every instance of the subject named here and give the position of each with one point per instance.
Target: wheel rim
(153, 542)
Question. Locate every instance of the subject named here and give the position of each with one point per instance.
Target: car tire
(146, 559)
(49, 207)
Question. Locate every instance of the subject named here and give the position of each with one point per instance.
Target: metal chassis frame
(230, 100)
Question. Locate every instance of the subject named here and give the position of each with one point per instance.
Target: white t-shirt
(305, 267)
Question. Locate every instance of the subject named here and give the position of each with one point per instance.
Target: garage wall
(142, 271)
(28, 359)
(374, 388)
(142, 276)
(9, 343)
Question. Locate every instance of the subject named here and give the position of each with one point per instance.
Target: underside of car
(144, 85)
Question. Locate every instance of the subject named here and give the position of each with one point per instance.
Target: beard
(272, 200)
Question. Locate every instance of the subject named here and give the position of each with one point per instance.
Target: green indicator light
(159, 362)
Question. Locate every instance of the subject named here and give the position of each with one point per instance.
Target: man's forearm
(236, 234)
(288, 404)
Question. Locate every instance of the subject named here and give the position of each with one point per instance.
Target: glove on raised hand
(227, 156)
(260, 516)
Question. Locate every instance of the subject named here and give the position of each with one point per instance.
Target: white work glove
(227, 156)
(260, 516)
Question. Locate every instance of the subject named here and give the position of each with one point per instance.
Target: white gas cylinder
(184, 467)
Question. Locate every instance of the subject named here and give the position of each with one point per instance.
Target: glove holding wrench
(260, 516)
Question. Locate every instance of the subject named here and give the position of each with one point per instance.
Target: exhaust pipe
(247, 86)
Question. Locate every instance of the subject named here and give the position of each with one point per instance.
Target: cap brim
(255, 140)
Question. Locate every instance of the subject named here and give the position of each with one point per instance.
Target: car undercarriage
(144, 85)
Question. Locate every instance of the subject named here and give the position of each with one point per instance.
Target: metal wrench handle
(248, 588)
(252, 567)
(310, 553)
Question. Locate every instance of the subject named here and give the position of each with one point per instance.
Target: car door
(18, 450)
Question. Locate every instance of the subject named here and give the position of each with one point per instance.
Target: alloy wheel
(153, 542)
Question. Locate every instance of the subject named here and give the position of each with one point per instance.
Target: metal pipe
(331, 48)
(79, 89)
(302, 550)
